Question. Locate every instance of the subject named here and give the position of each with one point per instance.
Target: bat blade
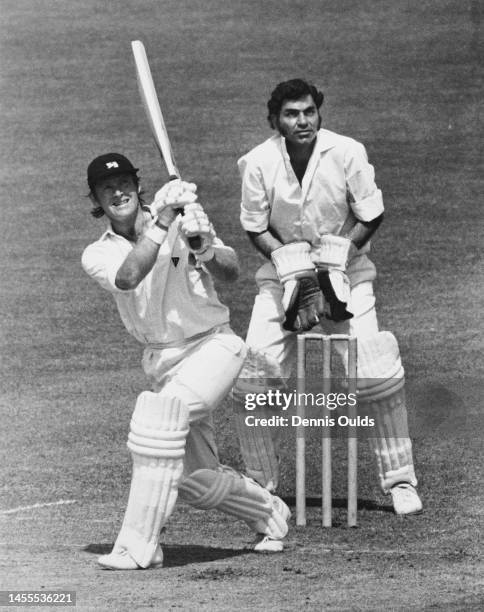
(151, 104)
(154, 115)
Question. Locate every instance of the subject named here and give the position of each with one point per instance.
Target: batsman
(310, 205)
(162, 283)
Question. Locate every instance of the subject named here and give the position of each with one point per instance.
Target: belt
(165, 345)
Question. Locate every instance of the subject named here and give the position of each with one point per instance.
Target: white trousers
(173, 446)
(201, 375)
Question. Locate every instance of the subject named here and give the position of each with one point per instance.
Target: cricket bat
(154, 115)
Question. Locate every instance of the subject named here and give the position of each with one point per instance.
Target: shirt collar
(325, 140)
(110, 232)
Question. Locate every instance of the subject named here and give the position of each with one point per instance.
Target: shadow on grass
(342, 502)
(177, 555)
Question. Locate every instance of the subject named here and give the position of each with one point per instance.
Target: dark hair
(295, 89)
(97, 212)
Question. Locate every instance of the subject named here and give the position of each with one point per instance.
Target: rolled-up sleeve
(254, 207)
(366, 199)
(102, 264)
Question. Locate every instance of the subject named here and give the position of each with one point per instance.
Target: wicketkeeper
(163, 288)
(310, 205)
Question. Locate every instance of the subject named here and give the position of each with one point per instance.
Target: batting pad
(158, 431)
(258, 446)
(238, 496)
(393, 447)
(381, 394)
(259, 373)
(378, 358)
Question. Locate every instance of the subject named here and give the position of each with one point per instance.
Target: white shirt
(174, 302)
(338, 188)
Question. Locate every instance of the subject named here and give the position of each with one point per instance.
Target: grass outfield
(403, 78)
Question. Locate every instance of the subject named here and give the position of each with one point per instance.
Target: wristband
(156, 234)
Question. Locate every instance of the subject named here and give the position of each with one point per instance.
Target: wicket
(326, 496)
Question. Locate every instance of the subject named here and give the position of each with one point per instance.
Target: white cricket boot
(122, 560)
(405, 499)
(266, 544)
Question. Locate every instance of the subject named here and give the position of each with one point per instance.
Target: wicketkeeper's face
(299, 120)
(117, 196)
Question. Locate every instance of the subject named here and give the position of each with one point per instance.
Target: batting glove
(302, 300)
(171, 199)
(195, 223)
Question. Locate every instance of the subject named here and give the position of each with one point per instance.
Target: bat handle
(195, 242)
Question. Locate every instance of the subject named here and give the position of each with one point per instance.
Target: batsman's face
(117, 196)
(299, 121)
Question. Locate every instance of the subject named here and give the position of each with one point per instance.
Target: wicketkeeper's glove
(302, 300)
(331, 265)
(195, 222)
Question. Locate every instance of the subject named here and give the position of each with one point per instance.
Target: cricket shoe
(122, 560)
(405, 499)
(265, 543)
